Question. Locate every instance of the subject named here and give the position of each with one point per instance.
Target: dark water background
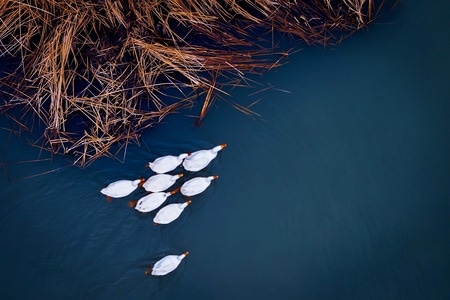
(341, 190)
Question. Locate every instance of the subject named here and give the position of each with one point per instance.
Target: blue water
(340, 190)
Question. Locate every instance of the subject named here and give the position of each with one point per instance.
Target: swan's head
(175, 177)
(210, 178)
(182, 206)
(184, 255)
(140, 181)
(173, 192)
(183, 155)
(218, 148)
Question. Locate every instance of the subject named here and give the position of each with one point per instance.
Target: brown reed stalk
(97, 73)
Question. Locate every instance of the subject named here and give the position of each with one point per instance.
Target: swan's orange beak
(186, 253)
(148, 271)
(215, 176)
(188, 202)
(142, 180)
(223, 145)
(174, 191)
(132, 204)
(189, 154)
(180, 175)
(147, 165)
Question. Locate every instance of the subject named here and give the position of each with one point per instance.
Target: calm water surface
(339, 191)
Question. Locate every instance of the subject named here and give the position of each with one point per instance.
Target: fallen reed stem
(97, 73)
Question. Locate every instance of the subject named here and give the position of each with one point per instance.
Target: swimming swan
(152, 201)
(160, 182)
(170, 212)
(200, 159)
(121, 188)
(196, 185)
(166, 265)
(166, 163)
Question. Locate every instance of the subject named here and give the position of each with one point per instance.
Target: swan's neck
(216, 149)
(182, 156)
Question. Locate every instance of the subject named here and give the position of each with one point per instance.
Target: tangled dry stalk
(97, 73)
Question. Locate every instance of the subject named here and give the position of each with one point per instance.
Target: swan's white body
(200, 159)
(196, 185)
(121, 188)
(152, 201)
(167, 163)
(170, 212)
(166, 265)
(160, 182)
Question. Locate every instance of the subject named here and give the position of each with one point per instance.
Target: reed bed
(97, 73)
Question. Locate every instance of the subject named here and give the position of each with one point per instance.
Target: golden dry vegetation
(97, 73)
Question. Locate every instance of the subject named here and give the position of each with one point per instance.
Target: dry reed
(97, 73)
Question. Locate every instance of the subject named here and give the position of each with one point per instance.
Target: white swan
(196, 185)
(160, 182)
(152, 201)
(121, 188)
(200, 159)
(166, 163)
(170, 212)
(166, 265)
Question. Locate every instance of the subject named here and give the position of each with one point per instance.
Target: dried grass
(97, 73)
